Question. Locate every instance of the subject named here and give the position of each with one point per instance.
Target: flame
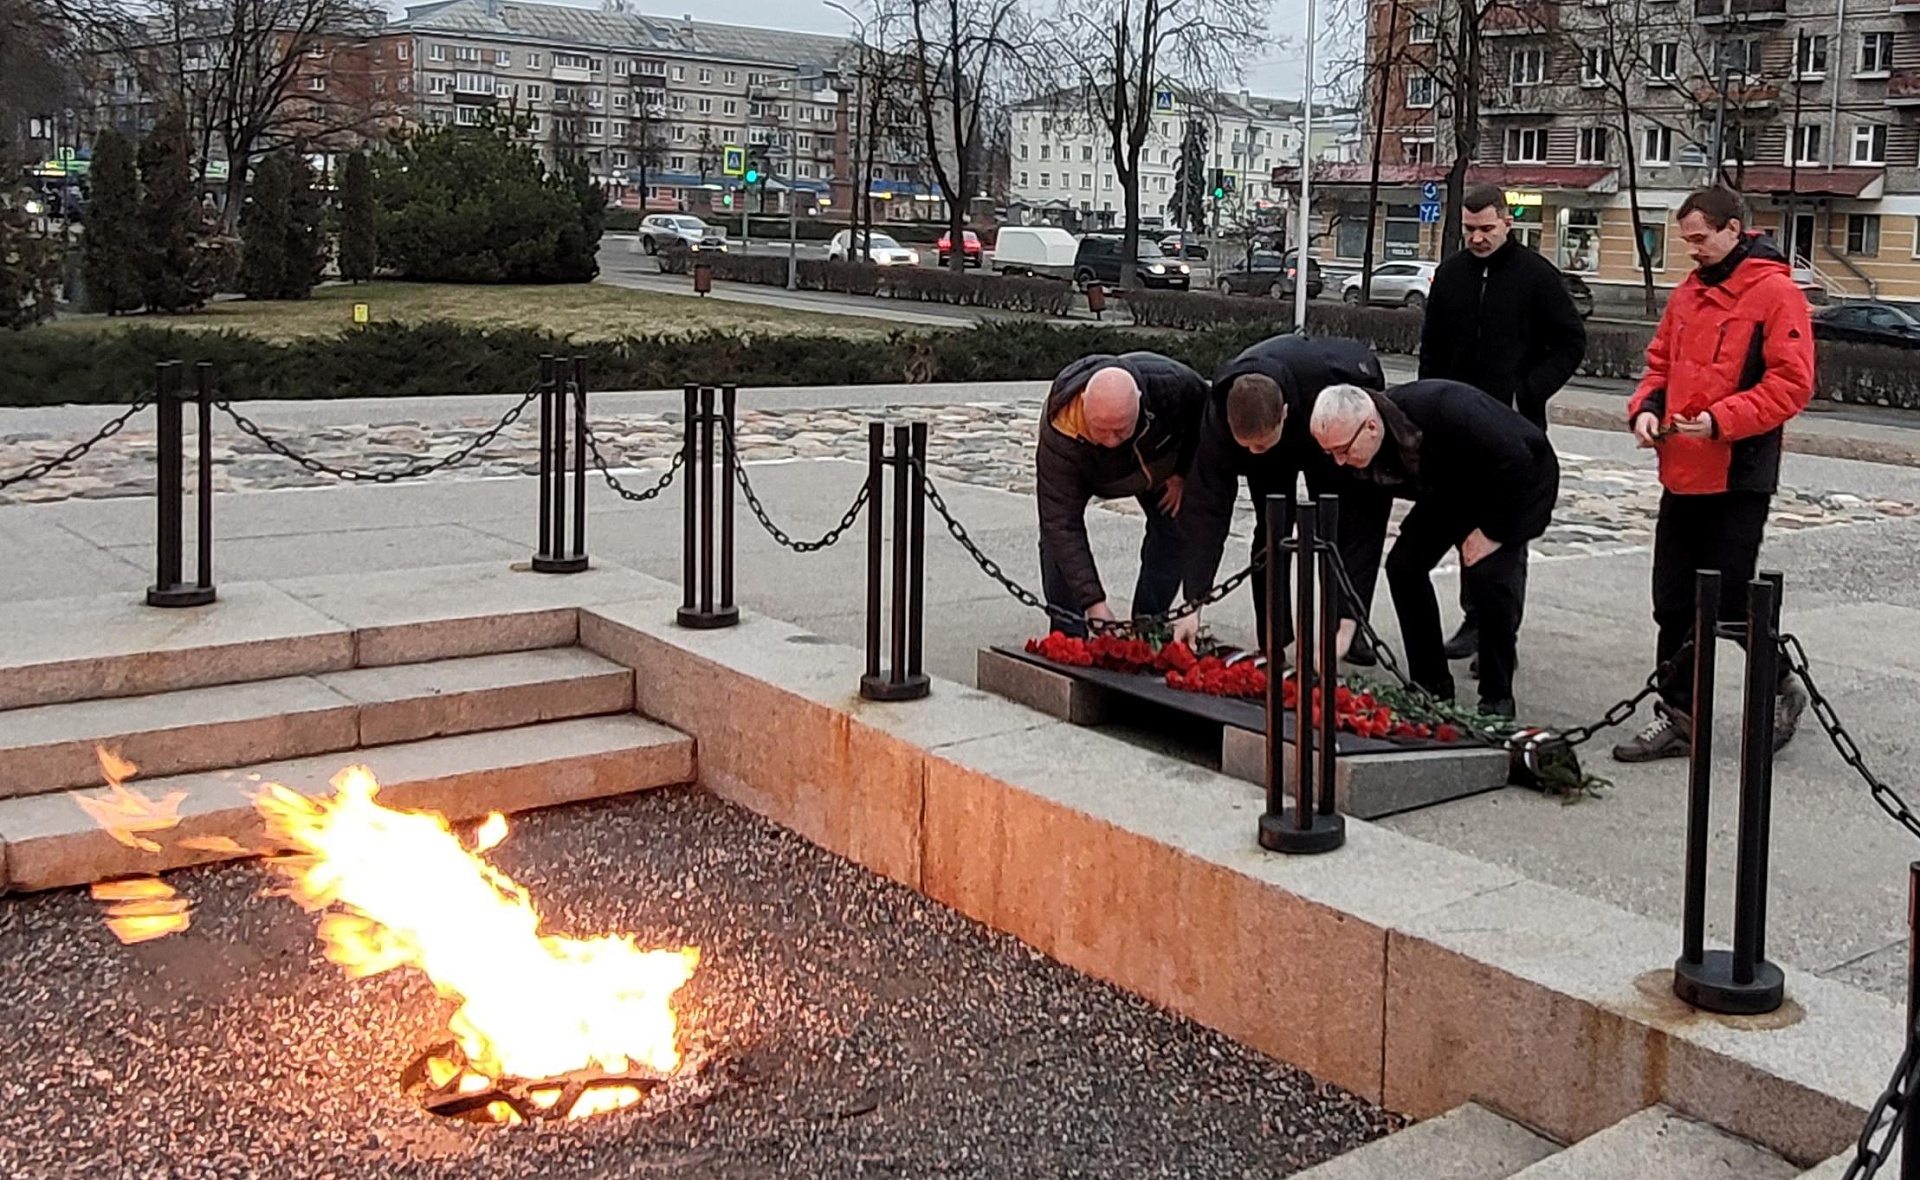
(142, 908)
(125, 812)
(410, 894)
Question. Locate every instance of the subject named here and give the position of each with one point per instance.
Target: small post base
(1709, 986)
(172, 596)
(695, 619)
(547, 564)
(885, 688)
(1323, 833)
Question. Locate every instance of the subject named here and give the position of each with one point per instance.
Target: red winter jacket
(1741, 350)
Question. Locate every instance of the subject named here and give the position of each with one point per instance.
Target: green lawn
(583, 311)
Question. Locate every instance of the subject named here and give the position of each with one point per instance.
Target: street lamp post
(1306, 179)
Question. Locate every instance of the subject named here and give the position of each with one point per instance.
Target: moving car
(882, 250)
(969, 245)
(1183, 245)
(1098, 261)
(1395, 284)
(1867, 323)
(1268, 272)
(1036, 251)
(659, 231)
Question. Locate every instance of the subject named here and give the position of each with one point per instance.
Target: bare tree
(1124, 54)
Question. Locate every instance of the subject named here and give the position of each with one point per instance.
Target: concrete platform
(1659, 1142)
(1468, 1142)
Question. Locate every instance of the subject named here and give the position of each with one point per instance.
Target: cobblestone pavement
(1606, 505)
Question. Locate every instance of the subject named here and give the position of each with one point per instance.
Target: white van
(1039, 250)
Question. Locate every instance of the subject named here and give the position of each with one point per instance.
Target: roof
(566, 24)
(1817, 182)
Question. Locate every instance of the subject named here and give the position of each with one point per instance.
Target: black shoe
(1500, 708)
(1360, 652)
(1465, 641)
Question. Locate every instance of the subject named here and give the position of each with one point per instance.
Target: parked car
(1183, 245)
(1098, 261)
(969, 244)
(659, 231)
(882, 250)
(1867, 323)
(1037, 251)
(1268, 272)
(1395, 284)
(1581, 294)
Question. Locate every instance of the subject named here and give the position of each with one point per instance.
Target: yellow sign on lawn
(359, 313)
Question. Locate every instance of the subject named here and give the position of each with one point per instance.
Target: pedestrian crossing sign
(734, 162)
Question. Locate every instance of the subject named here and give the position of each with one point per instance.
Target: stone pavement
(1844, 537)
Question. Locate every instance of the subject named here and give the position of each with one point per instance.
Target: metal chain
(74, 452)
(1849, 750)
(1885, 1121)
(431, 467)
(620, 489)
(827, 539)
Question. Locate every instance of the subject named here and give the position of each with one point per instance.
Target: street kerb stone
(1373, 785)
(1054, 693)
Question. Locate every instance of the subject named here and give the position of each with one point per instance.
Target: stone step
(48, 841)
(1660, 1142)
(1836, 1168)
(1468, 1142)
(51, 747)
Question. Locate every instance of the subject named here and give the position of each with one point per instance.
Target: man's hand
(1699, 426)
(1646, 428)
(1187, 629)
(1100, 612)
(1170, 495)
(1477, 547)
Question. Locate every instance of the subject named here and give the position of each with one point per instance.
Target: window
(1046, 178)
(1046, 151)
(1810, 55)
(1086, 180)
(619, 100)
(1023, 151)
(622, 67)
(1656, 145)
(596, 98)
(1526, 145)
(1426, 27)
(533, 61)
(1739, 56)
(438, 84)
(570, 61)
(596, 126)
(1416, 151)
(620, 161)
(1593, 145)
(1869, 143)
(1663, 61)
(1863, 234)
(467, 116)
(1086, 154)
(1740, 143)
(436, 53)
(503, 57)
(1876, 53)
(729, 107)
(1526, 67)
(533, 122)
(316, 83)
(619, 130)
(400, 51)
(677, 103)
(731, 77)
(677, 163)
(1420, 91)
(679, 73)
(1580, 240)
(1023, 180)
(1402, 232)
(654, 69)
(1653, 235)
(706, 75)
(535, 91)
(1595, 62)
(467, 83)
(467, 53)
(705, 106)
(1807, 144)
(679, 135)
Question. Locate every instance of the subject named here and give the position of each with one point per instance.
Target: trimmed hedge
(923, 284)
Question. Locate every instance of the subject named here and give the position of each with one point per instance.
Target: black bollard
(1307, 830)
(169, 589)
(1740, 982)
(903, 680)
(705, 429)
(1910, 1140)
(557, 555)
(1329, 663)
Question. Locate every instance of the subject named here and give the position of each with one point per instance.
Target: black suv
(1098, 261)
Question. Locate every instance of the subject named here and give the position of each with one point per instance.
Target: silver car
(660, 231)
(1395, 284)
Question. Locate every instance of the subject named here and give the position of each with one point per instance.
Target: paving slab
(1659, 1142)
(1468, 1142)
(320, 553)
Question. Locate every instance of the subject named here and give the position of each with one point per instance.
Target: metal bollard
(704, 429)
(1740, 982)
(1910, 1140)
(556, 555)
(1314, 826)
(903, 680)
(168, 589)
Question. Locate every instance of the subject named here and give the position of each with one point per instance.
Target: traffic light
(753, 173)
(726, 199)
(1219, 184)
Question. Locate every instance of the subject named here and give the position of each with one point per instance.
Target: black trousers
(1364, 512)
(1720, 531)
(1159, 580)
(1467, 618)
(1493, 586)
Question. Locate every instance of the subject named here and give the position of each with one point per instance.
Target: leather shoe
(1465, 642)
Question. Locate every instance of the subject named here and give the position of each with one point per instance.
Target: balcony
(1907, 6)
(574, 75)
(1903, 89)
(1739, 11)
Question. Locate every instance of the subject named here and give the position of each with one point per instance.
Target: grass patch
(578, 311)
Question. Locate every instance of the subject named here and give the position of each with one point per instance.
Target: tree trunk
(1466, 124)
(1373, 179)
(957, 218)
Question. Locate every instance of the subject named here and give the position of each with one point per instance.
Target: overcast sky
(1274, 70)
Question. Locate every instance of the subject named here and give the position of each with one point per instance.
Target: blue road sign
(1430, 192)
(1429, 213)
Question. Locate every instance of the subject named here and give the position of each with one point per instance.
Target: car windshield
(1149, 253)
(689, 223)
(882, 242)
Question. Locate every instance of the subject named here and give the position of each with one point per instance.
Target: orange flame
(141, 908)
(410, 894)
(125, 812)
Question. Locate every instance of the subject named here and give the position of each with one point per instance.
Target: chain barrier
(74, 452)
(431, 467)
(1885, 1121)
(1849, 750)
(613, 481)
(827, 539)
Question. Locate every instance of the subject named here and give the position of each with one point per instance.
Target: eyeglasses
(1339, 454)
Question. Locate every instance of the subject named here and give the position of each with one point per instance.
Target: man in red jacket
(1731, 363)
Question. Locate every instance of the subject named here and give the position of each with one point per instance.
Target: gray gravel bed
(852, 1028)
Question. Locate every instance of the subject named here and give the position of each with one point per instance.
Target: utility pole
(1306, 177)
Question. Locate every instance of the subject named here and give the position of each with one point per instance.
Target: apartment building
(1807, 106)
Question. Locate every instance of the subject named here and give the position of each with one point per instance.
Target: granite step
(47, 841)
(51, 747)
(1658, 1141)
(1468, 1142)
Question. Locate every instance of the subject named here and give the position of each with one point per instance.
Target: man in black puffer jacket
(1256, 426)
(1114, 426)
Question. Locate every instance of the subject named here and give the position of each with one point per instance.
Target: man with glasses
(1114, 426)
(1482, 479)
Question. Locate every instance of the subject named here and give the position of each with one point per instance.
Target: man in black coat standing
(1499, 318)
(1255, 425)
(1481, 478)
(1114, 426)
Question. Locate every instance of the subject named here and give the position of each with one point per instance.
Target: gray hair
(1341, 406)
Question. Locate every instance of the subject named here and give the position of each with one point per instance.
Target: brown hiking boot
(1668, 735)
